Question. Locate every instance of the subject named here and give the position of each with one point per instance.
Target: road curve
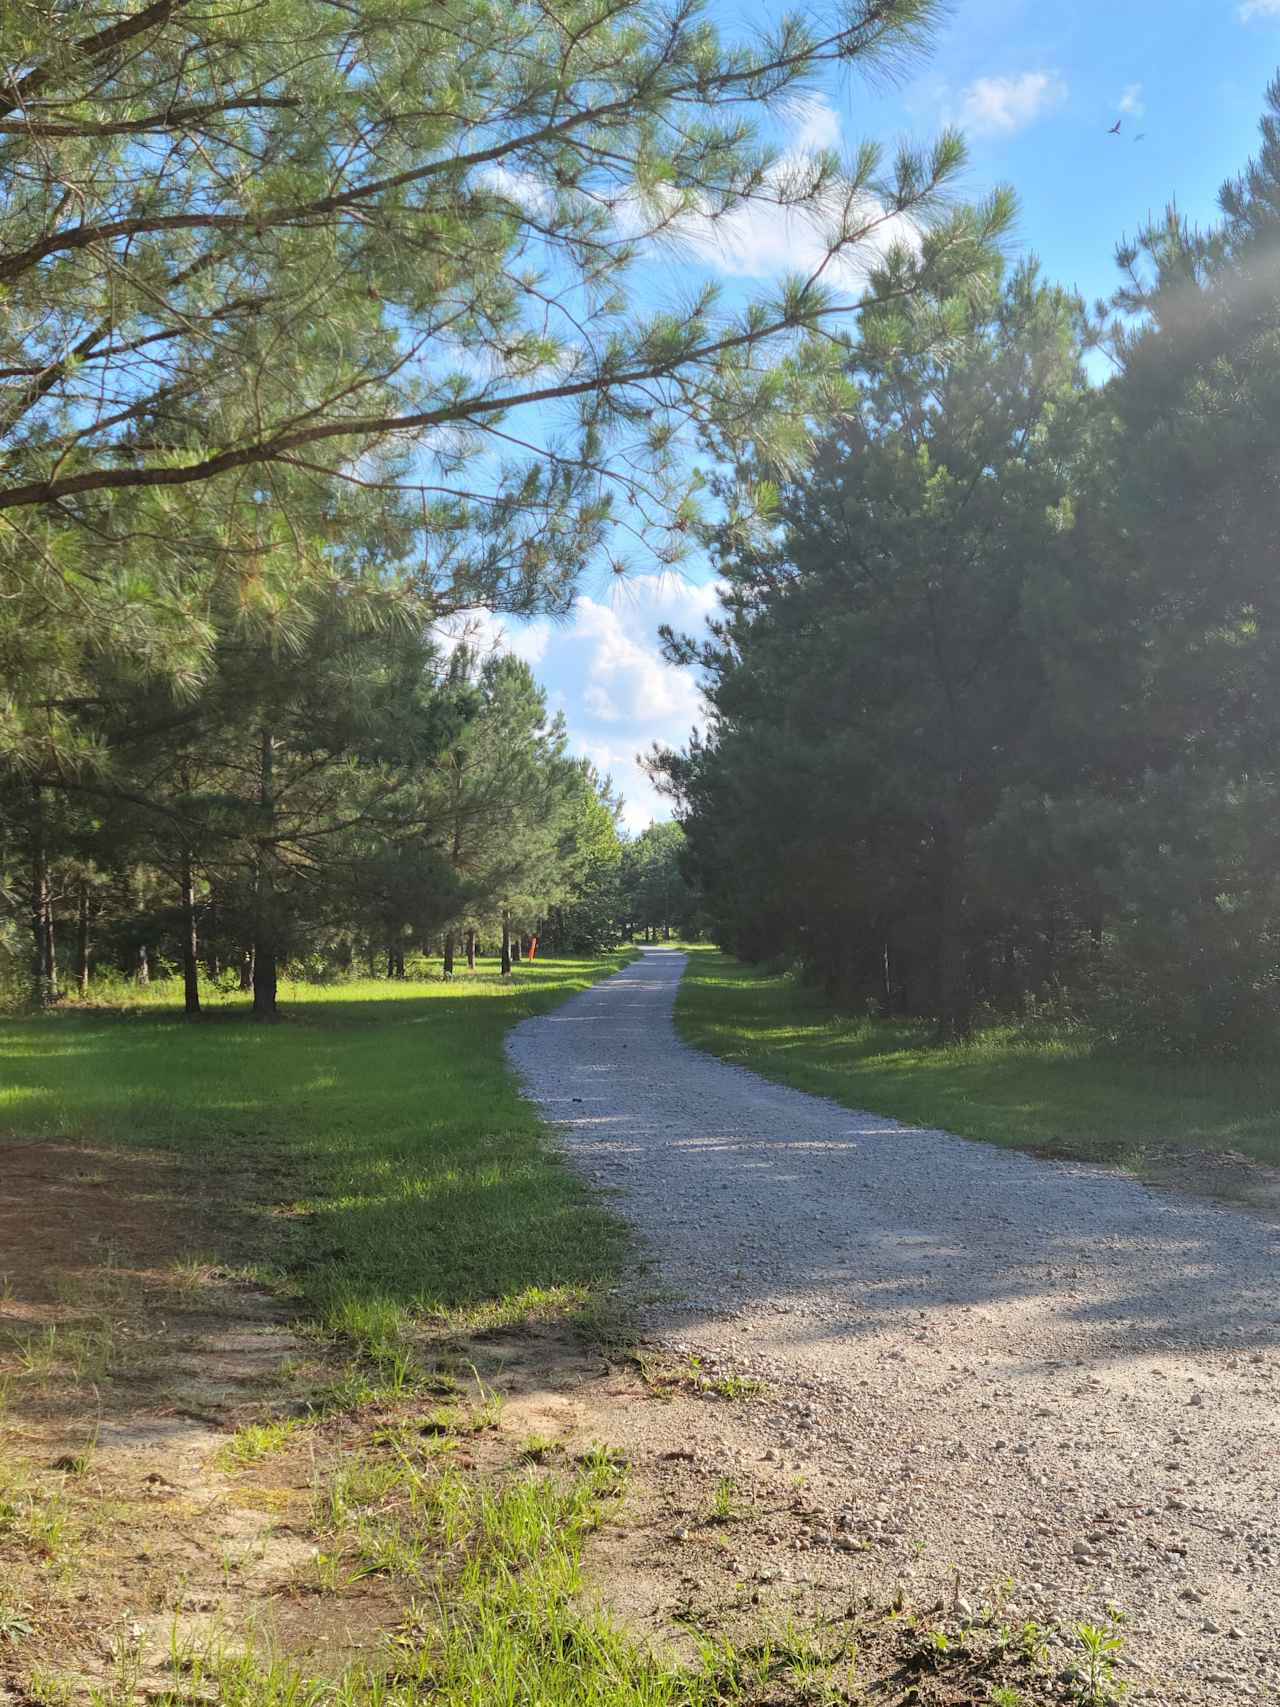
(1056, 1372)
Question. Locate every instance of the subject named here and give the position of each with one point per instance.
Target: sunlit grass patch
(382, 1151)
(1037, 1089)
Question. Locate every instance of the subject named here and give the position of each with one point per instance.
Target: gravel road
(1032, 1370)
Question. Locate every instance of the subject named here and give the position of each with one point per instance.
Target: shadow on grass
(1051, 1093)
(374, 1143)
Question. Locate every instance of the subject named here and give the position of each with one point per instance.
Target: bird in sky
(1115, 129)
(1141, 136)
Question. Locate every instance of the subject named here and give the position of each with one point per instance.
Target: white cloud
(1131, 101)
(814, 124)
(604, 669)
(999, 106)
(627, 681)
(761, 239)
(1259, 9)
(484, 633)
(758, 241)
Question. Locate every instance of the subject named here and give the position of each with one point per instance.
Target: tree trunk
(399, 963)
(142, 966)
(246, 969)
(82, 939)
(471, 950)
(50, 952)
(265, 945)
(42, 987)
(448, 954)
(506, 943)
(391, 961)
(190, 964)
(954, 1016)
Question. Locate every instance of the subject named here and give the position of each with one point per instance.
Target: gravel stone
(920, 1297)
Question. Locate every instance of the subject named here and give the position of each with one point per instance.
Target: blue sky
(1034, 85)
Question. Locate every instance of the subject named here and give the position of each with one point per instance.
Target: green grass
(502, 1622)
(374, 1142)
(1049, 1092)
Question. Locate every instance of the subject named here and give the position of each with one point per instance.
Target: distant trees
(383, 796)
(994, 702)
(588, 915)
(657, 898)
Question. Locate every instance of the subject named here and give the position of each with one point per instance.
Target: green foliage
(891, 655)
(994, 707)
(318, 330)
(1050, 1089)
(1101, 1645)
(308, 277)
(658, 898)
(365, 797)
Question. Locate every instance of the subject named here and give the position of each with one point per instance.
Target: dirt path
(977, 1361)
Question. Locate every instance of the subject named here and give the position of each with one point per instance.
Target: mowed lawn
(1054, 1093)
(374, 1142)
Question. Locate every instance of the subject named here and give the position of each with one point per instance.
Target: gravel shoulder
(978, 1361)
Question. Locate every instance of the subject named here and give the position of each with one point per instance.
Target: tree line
(391, 800)
(994, 694)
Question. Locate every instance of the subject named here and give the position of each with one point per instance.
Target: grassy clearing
(1045, 1093)
(375, 1140)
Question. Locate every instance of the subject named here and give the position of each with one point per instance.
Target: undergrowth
(1042, 1089)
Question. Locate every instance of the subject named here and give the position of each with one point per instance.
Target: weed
(1101, 1644)
(605, 1467)
(36, 1523)
(126, 1663)
(77, 1463)
(1026, 1642)
(47, 1689)
(39, 1355)
(726, 1506)
(738, 1387)
(537, 1448)
(191, 1273)
(13, 1624)
(255, 1441)
(486, 1409)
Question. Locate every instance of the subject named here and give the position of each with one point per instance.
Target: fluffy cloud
(1259, 9)
(1131, 101)
(758, 241)
(999, 106)
(484, 632)
(626, 680)
(603, 669)
(761, 240)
